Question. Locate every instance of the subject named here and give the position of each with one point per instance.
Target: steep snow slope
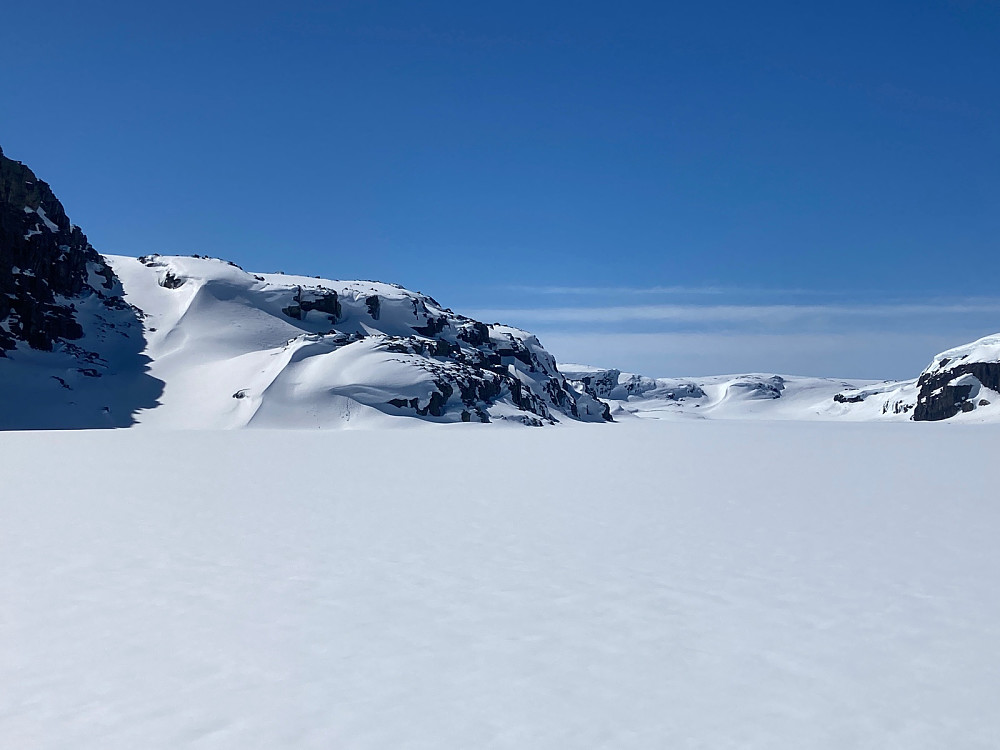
(271, 350)
(642, 585)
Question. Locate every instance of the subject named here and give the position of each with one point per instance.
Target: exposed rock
(45, 262)
(169, 281)
(952, 383)
(62, 310)
(322, 301)
(857, 398)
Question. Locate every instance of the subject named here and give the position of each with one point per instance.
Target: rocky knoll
(960, 380)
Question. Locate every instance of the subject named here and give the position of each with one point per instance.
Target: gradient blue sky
(675, 188)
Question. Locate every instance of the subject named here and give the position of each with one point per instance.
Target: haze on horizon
(668, 189)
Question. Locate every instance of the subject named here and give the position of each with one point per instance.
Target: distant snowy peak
(237, 348)
(962, 383)
(725, 396)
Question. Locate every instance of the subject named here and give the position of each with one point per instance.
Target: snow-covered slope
(270, 350)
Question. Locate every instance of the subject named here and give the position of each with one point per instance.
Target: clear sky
(674, 188)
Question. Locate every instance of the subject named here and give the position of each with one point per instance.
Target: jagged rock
(953, 381)
(62, 311)
(857, 398)
(323, 301)
(169, 281)
(45, 262)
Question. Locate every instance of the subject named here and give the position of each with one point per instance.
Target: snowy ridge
(788, 397)
(749, 396)
(238, 349)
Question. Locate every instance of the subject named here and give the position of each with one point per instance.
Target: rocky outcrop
(954, 382)
(71, 348)
(616, 385)
(323, 301)
(45, 264)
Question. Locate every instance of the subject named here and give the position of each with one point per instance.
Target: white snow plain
(649, 584)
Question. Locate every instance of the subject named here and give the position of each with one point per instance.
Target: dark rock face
(857, 398)
(481, 376)
(325, 302)
(600, 384)
(940, 397)
(45, 262)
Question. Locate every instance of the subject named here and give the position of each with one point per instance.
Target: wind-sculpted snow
(271, 350)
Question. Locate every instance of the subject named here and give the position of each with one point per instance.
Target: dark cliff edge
(954, 390)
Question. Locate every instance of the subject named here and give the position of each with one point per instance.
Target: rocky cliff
(960, 381)
(45, 264)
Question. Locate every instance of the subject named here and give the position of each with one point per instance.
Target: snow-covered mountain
(198, 342)
(192, 342)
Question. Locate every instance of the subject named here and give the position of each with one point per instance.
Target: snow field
(697, 584)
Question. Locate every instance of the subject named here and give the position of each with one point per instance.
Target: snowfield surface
(650, 584)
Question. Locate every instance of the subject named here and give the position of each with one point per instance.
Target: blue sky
(675, 188)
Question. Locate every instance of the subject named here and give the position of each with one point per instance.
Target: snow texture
(649, 584)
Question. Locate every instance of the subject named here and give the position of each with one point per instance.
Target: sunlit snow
(647, 584)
